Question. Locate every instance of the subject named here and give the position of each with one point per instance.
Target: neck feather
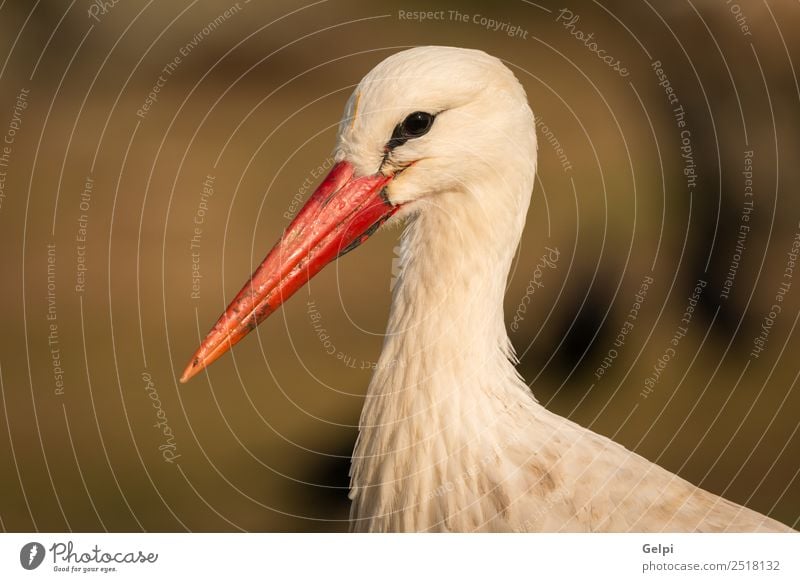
(444, 379)
(446, 336)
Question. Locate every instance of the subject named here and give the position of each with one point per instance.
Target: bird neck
(448, 300)
(440, 399)
(446, 340)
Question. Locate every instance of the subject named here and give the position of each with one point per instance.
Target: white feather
(451, 438)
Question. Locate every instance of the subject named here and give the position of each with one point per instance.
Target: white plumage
(451, 438)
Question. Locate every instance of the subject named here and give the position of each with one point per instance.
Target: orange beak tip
(193, 368)
(188, 373)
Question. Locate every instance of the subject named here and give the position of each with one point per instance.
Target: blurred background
(153, 152)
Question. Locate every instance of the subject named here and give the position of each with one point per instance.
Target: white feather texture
(451, 438)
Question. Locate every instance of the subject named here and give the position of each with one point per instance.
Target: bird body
(450, 436)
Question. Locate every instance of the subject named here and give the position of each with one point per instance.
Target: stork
(450, 436)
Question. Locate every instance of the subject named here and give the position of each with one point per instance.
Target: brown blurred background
(97, 331)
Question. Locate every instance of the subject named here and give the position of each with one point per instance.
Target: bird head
(425, 125)
(437, 119)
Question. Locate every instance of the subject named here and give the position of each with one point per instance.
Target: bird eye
(416, 124)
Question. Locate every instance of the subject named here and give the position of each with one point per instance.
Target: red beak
(341, 214)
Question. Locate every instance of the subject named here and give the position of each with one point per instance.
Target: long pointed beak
(341, 214)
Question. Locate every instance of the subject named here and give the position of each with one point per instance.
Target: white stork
(451, 438)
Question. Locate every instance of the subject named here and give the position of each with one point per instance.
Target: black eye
(416, 124)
